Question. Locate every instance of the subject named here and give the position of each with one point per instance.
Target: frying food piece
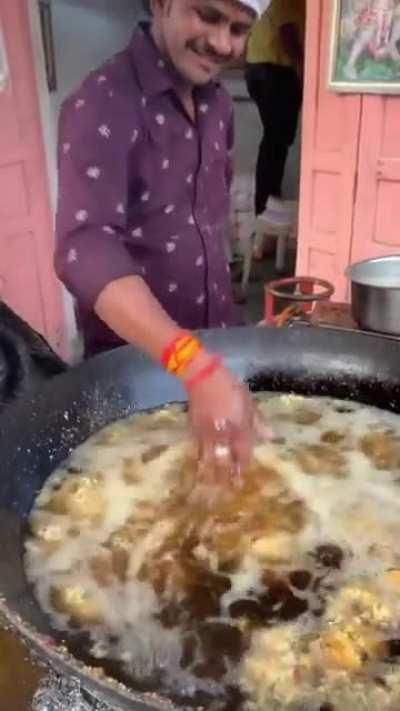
(321, 459)
(81, 606)
(386, 553)
(81, 497)
(110, 436)
(382, 449)
(153, 453)
(332, 437)
(392, 577)
(340, 651)
(110, 565)
(270, 673)
(358, 604)
(306, 416)
(132, 470)
(45, 527)
(351, 647)
(293, 411)
(102, 568)
(278, 547)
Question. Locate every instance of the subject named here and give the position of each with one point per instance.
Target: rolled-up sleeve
(91, 223)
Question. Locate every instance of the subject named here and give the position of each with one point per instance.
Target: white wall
(86, 33)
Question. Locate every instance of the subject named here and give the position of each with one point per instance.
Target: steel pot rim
(351, 268)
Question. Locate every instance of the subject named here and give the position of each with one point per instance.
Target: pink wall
(27, 280)
(350, 183)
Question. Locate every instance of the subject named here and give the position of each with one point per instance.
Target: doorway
(266, 95)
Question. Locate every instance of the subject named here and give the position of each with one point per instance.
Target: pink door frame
(350, 177)
(27, 279)
(331, 125)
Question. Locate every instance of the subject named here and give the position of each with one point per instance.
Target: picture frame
(365, 47)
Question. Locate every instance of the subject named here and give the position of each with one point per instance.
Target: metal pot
(375, 294)
(38, 433)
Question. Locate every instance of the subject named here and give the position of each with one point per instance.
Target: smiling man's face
(201, 37)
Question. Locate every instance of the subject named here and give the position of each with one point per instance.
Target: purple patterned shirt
(145, 191)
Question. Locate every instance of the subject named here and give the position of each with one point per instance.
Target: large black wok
(36, 434)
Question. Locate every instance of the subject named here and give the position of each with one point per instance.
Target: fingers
(214, 451)
(225, 443)
(241, 448)
(222, 449)
(206, 460)
(215, 459)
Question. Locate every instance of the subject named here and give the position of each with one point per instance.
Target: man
(144, 168)
(274, 79)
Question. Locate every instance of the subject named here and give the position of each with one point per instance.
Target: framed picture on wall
(365, 46)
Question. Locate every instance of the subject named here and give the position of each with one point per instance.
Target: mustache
(209, 53)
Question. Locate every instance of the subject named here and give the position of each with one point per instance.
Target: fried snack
(80, 497)
(321, 459)
(382, 449)
(358, 603)
(47, 530)
(80, 605)
(350, 647)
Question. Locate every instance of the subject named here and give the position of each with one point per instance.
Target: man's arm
(220, 409)
(129, 308)
(96, 267)
(94, 144)
(91, 257)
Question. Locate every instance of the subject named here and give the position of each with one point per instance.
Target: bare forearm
(128, 307)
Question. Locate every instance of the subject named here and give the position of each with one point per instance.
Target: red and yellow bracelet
(180, 353)
(205, 372)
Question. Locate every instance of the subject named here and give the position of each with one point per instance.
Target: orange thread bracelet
(183, 354)
(203, 373)
(168, 350)
(186, 354)
(178, 355)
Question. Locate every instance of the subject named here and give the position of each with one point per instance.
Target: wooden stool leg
(247, 263)
(281, 252)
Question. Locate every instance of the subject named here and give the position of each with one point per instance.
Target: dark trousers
(277, 92)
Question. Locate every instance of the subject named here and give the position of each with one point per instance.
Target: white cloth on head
(259, 6)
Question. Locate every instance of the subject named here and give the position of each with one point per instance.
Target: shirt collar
(154, 74)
